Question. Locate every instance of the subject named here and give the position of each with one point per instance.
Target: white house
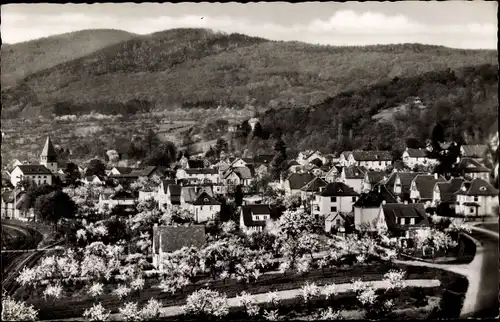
(38, 174)
(444, 192)
(92, 180)
(205, 207)
(422, 188)
(333, 174)
(11, 204)
(189, 194)
(371, 179)
(367, 208)
(413, 157)
(253, 218)
(472, 169)
(238, 162)
(169, 194)
(353, 176)
(306, 157)
(372, 160)
(335, 198)
(295, 182)
(120, 198)
(476, 198)
(345, 159)
(293, 166)
(403, 221)
(198, 175)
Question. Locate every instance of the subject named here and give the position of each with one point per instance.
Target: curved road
(488, 277)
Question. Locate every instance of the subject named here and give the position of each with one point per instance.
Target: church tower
(48, 158)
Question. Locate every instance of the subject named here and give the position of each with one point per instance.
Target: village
(344, 210)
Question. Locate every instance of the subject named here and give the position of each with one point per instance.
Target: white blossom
(121, 291)
(151, 310)
(367, 296)
(207, 302)
(96, 313)
(96, 289)
(130, 312)
(329, 290)
(137, 284)
(271, 315)
(395, 278)
(273, 298)
(53, 291)
(13, 310)
(329, 314)
(309, 291)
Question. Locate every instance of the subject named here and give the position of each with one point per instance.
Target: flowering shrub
(435, 239)
(367, 296)
(395, 278)
(329, 290)
(329, 314)
(273, 299)
(54, 291)
(249, 303)
(96, 313)
(271, 315)
(206, 302)
(130, 312)
(13, 310)
(151, 310)
(95, 290)
(309, 291)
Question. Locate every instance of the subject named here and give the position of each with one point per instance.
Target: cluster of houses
(356, 189)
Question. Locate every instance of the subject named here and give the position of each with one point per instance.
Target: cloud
(342, 28)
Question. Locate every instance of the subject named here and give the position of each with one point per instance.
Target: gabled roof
(469, 165)
(425, 184)
(474, 151)
(372, 155)
(292, 163)
(298, 180)
(346, 154)
(447, 189)
(314, 185)
(405, 177)
(123, 170)
(374, 198)
(477, 187)
(338, 189)
(34, 169)
(175, 237)
(196, 164)
(416, 153)
(393, 211)
(48, 149)
(317, 162)
(123, 195)
(204, 199)
(247, 160)
(244, 173)
(354, 172)
(166, 183)
(375, 176)
(191, 193)
(258, 209)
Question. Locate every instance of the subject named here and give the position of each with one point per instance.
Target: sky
(457, 24)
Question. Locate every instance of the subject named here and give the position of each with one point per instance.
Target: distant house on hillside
(476, 152)
(205, 207)
(399, 184)
(353, 176)
(168, 239)
(308, 156)
(413, 157)
(12, 204)
(295, 182)
(444, 192)
(38, 174)
(374, 160)
(371, 179)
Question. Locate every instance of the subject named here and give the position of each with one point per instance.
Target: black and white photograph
(262, 161)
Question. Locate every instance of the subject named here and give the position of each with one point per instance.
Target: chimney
(435, 176)
(384, 202)
(379, 189)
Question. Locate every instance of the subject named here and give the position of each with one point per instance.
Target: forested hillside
(185, 68)
(464, 101)
(22, 59)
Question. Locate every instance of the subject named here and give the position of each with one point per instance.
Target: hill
(464, 101)
(185, 68)
(22, 59)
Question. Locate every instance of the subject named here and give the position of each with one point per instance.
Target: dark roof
(375, 176)
(202, 171)
(123, 195)
(298, 180)
(317, 162)
(354, 172)
(34, 169)
(205, 199)
(175, 237)
(469, 165)
(248, 160)
(196, 164)
(175, 189)
(8, 197)
(242, 172)
(262, 158)
(292, 163)
(405, 177)
(338, 189)
(471, 204)
(48, 149)
(394, 211)
(417, 153)
(477, 187)
(425, 184)
(124, 170)
(258, 209)
(447, 189)
(166, 183)
(374, 198)
(474, 151)
(314, 185)
(372, 155)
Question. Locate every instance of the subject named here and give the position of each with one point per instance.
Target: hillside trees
(278, 163)
(163, 155)
(54, 206)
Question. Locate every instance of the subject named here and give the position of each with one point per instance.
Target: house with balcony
(335, 198)
(476, 198)
(119, 198)
(253, 218)
(403, 221)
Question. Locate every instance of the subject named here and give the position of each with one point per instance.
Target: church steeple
(48, 157)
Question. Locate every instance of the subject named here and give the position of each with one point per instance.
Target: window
(333, 209)
(333, 199)
(338, 222)
(316, 216)
(402, 221)
(44, 181)
(257, 218)
(353, 199)
(471, 210)
(39, 177)
(412, 221)
(45, 177)
(380, 163)
(476, 198)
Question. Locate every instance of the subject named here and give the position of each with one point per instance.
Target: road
(487, 276)
(489, 226)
